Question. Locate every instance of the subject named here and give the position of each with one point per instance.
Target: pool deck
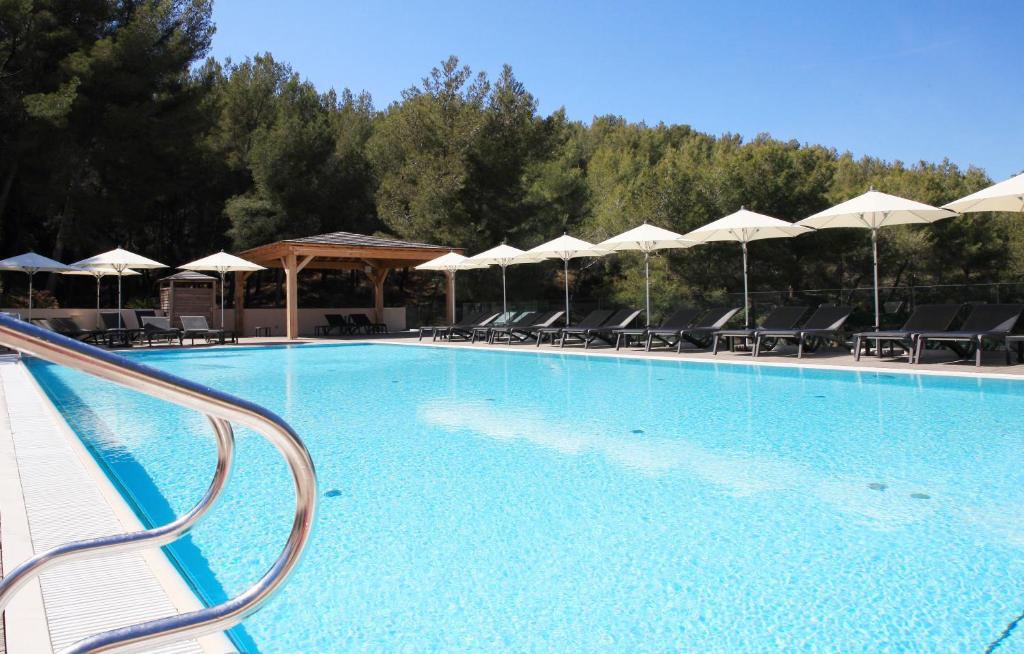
(52, 492)
(935, 362)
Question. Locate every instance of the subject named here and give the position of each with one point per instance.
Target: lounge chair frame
(986, 322)
(925, 318)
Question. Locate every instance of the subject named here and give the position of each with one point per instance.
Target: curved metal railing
(222, 410)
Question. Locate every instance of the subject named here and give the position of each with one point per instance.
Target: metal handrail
(222, 410)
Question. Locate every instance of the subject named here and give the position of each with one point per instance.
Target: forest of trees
(115, 129)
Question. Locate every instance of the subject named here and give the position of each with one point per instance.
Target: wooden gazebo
(336, 251)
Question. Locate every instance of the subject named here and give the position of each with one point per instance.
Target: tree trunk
(58, 246)
(5, 193)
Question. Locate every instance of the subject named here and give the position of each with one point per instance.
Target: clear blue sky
(901, 80)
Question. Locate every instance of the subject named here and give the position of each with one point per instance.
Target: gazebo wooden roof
(374, 255)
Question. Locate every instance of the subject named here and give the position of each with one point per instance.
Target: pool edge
(174, 585)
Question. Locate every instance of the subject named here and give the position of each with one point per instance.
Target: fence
(897, 301)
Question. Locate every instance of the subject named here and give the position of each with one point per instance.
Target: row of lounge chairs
(928, 324)
(152, 328)
(354, 323)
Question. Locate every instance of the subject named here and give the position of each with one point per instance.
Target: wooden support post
(291, 272)
(449, 297)
(240, 278)
(377, 277)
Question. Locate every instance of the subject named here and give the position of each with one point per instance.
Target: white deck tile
(64, 503)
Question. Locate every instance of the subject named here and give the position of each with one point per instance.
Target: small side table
(262, 332)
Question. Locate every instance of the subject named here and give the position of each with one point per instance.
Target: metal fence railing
(897, 301)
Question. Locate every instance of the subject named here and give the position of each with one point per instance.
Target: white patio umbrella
(119, 260)
(32, 263)
(222, 263)
(1007, 195)
(646, 238)
(874, 210)
(564, 247)
(744, 226)
(451, 263)
(99, 274)
(502, 255)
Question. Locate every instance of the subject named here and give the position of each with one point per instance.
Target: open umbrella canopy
(742, 227)
(222, 262)
(503, 256)
(73, 269)
(119, 259)
(564, 247)
(874, 210)
(646, 238)
(1007, 195)
(99, 274)
(450, 262)
(31, 263)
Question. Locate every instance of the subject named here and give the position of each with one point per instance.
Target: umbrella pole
(453, 297)
(30, 275)
(874, 252)
(647, 285)
(119, 325)
(222, 299)
(99, 318)
(567, 292)
(746, 295)
(504, 300)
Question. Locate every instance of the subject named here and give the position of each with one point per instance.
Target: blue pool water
(478, 501)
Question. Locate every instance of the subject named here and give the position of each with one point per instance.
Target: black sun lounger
(361, 321)
(986, 321)
(676, 321)
(668, 331)
(825, 324)
(68, 327)
(469, 320)
(484, 330)
(520, 333)
(699, 335)
(595, 318)
(925, 318)
(159, 328)
(779, 318)
(465, 333)
(605, 332)
(524, 319)
(193, 326)
(334, 321)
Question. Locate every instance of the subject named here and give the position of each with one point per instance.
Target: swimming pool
(488, 501)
